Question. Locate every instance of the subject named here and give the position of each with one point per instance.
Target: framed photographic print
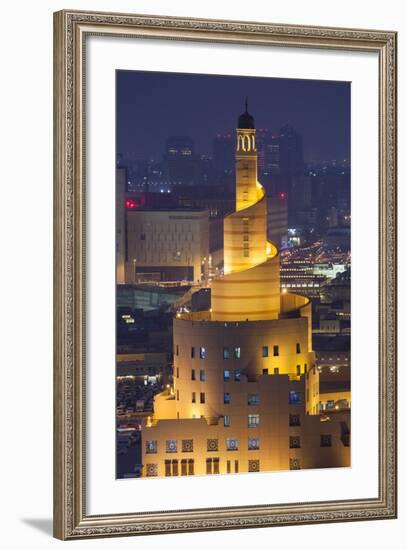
(225, 267)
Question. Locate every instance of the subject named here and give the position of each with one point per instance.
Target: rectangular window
(276, 370)
(294, 442)
(202, 375)
(171, 468)
(226, 353)
(228, 469)
(202, 397)
(226, 420)
(237, 375)
(231, 444)
(192, 352)
(246, 252)
(298, 347)
(236, 466)
(276, 351)
(151, 446)
(174, 467)
(294, 397)
(226, 375)
(298, 370)
(254, 444)
(265, 351)
(184, 466)
(202, 352)
(226, 398)
(326, 440)
(193, 397)
(168, 468)
(212, 465)
(177, 349)
(237, 352)
(253, 399)
(265, 371)
(294, 420)
(177, 372)
(193, 374)
(177, 395)
(253, 420)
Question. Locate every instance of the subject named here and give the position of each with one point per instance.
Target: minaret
(250, 288)
(246, 161)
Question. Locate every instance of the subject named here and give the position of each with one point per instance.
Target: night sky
(152, 106)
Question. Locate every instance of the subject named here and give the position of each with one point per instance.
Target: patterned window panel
(187, 445)
(295, 464)
(171, 446)
(152, 470)
(254, 465)
(295, 442)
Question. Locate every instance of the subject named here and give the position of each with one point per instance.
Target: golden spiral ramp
(250, 287)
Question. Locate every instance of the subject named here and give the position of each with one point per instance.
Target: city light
(130, 204)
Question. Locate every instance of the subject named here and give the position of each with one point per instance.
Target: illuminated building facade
(167, 245)
(245, 396)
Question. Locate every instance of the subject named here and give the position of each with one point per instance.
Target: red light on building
(282, 195)
(130, 204)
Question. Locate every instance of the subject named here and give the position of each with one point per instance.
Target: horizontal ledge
(251, 297)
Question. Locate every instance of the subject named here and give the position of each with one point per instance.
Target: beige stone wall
(250, 338)
(280, 444)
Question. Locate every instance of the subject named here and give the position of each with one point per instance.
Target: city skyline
(162, 105)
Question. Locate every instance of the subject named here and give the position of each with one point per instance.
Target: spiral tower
(251, 327)
(250, 287)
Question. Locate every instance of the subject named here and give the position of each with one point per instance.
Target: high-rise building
(121, 192)
(224, 153)
(277, 218)
(245, 396)
(291, 159)
(272, 155)
(180, 162)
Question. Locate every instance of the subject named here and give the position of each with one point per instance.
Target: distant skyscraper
(224, 152)
(290, 151)
(121, 189)
(273, 155)
(180, 163)
(263, 139)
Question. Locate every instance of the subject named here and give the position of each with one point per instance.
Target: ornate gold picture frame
(71, 30)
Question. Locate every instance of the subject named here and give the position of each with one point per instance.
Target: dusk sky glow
(153, 106)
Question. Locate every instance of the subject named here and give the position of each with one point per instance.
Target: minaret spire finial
(246, 103)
